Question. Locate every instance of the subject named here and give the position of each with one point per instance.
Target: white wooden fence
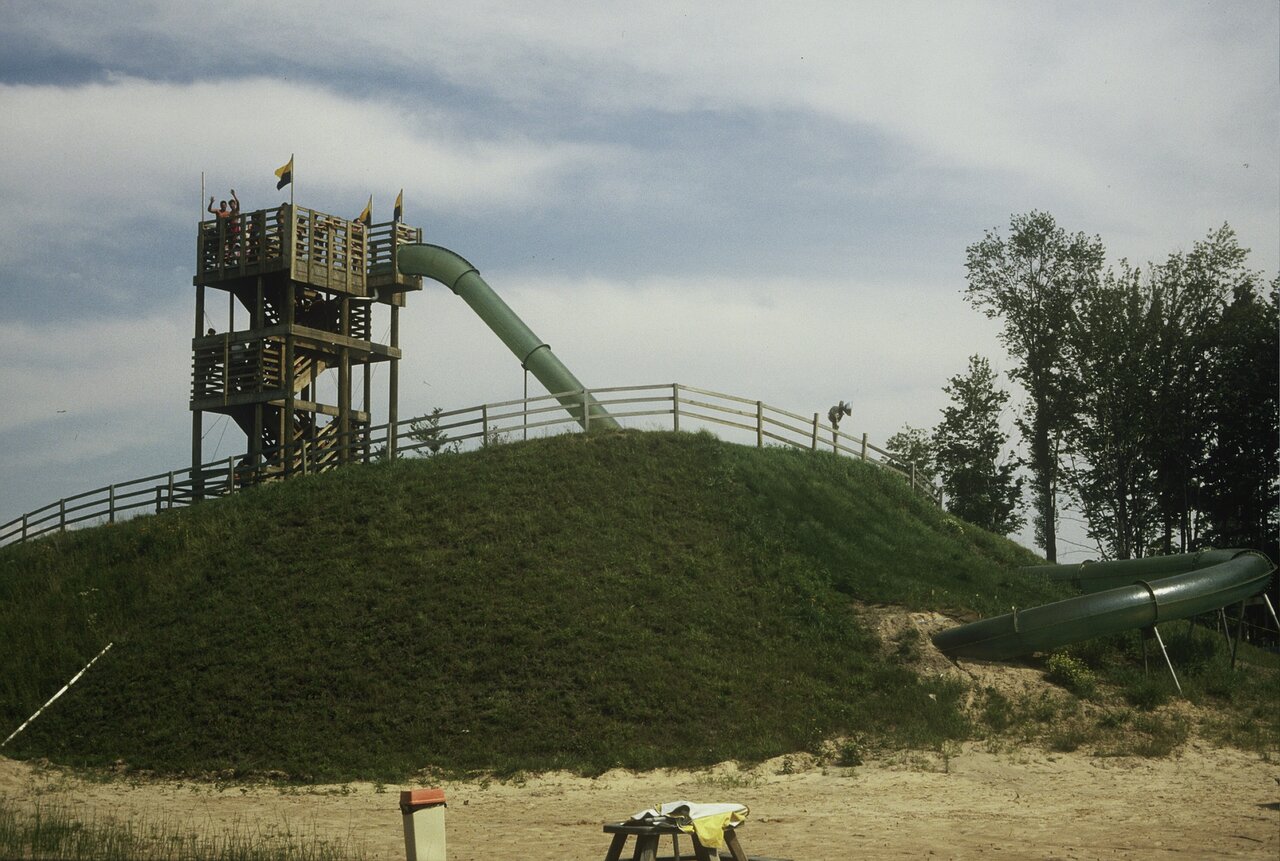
(654, 407)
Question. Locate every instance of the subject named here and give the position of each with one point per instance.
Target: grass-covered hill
(634, 599)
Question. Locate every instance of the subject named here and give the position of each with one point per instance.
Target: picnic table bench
(648, 834)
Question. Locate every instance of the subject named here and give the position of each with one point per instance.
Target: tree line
(1150, 407)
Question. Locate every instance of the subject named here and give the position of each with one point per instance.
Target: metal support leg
(1235, 645)
(1272, 610)
(1165, 651)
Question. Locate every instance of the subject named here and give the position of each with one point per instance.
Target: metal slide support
(451, 270)
(1168, 662)
(1235, 644)
(1272, 610)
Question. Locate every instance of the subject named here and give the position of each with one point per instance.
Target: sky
(771, 200)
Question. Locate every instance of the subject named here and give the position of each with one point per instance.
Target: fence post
(231, 474)
(759, 424)
(24, 527)
(171, 488)
(484, 425)
(111, 503)
(864, 445)
(586, 413)
(159, 499)
(675, 406)
(814, 444)
(913, 475)
(62, 515)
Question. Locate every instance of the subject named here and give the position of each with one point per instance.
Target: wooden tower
(293, 363)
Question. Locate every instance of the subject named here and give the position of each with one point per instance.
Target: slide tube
(1146, 601)
(1094, 576)
(451, 270)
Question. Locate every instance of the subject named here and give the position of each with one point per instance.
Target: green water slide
(451, 270)
(1119, 596)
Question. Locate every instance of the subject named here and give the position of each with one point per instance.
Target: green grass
(580, 602)
(54, 831)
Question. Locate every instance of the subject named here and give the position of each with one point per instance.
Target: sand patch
(1022, 803)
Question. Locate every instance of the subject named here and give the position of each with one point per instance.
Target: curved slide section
(1152, 594)
(1094, 576)
(454, 272)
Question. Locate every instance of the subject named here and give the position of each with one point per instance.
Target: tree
(1192, 290)
(1241, 475)
(426, 430)
(980, 487)
(913, 447)
(1112, 471)
(1031, 281)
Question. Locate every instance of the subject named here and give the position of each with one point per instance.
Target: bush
(1071, 673)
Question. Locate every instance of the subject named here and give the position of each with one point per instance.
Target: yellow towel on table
(707, 821)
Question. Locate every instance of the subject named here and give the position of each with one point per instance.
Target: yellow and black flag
(399, 211)
(284, 174)
(366, 216)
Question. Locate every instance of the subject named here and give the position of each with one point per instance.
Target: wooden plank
(735, 848)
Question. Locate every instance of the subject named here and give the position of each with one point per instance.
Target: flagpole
(293, 180)
(202, 208)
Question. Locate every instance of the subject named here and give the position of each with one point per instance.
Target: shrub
(1071, 673)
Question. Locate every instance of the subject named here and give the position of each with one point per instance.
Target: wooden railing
(319, 249)
(673, 405)
(384, 244)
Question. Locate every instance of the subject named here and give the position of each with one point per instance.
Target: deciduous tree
(1112, 465)
(1031, 282)
(1192, 290)
(913, 447)
(978, 481)
(1241, 474)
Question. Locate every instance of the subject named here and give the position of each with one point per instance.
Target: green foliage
(1240, 481)
(1064, 669)
(980, 484)
(1191, 289)
(1177, 414)
(1112, 473)
(914, 447)
(849, 754)
(1151, 392)
(1032, 281)
(434, 440)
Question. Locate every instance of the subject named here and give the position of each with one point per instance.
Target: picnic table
(648, 834)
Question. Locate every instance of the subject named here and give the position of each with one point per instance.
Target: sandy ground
(1202, 803)
(978, 802)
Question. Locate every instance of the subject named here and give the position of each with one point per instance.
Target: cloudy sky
(767, 199)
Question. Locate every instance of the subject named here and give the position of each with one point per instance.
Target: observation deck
(308, 247)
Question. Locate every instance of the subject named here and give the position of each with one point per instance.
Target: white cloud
(800, 346)
(1140, 117)
(92, 367)
(81, 160)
